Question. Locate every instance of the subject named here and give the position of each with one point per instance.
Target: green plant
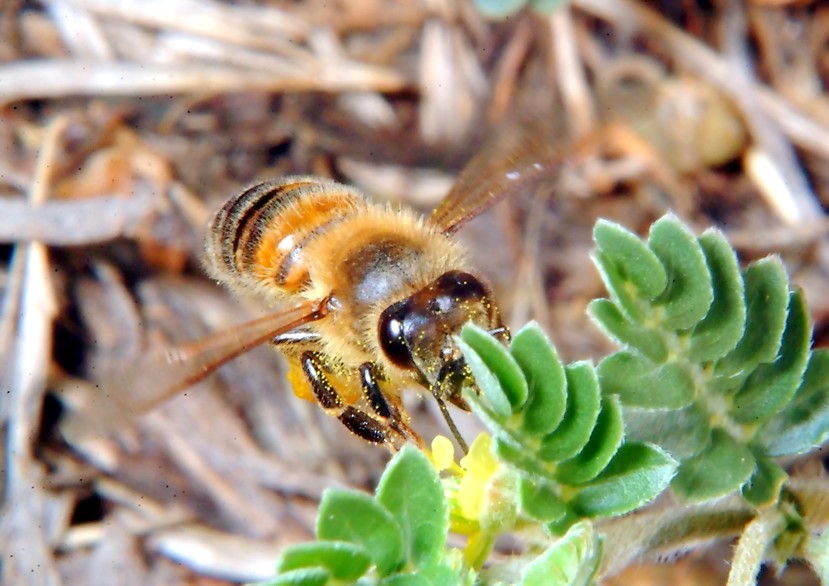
(506, 8)
(714, 381)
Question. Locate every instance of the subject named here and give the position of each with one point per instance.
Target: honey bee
(375, 295)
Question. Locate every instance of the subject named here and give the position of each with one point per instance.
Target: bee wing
(513, 158)
(161, 373)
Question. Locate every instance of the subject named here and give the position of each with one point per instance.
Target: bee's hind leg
(374, 429)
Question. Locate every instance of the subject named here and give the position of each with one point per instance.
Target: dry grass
(124, 124)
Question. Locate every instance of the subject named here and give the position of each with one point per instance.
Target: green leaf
(480, 405)
(583, 404)
(689, 292)
(510, 450)
(682, 433)
(301, 577)
(641, 383)
(344, 561)
(497, 403)
(815, 551)
(604, 441)
(452, 571)
(357, 518)
(636, 263)
(411, 490)
(764, 486)
(649, 342)
(547, 6)
(617, 285)
(544, 373)
(500, 362)
(804, 424)
(499, 8)
(767, 298)
(406, 580)
(723, 467)
(573, 560)
(563, 525)
(718, 333)
(539, 500)
(771, 386)
(637, 474)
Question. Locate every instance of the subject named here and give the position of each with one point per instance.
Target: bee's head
(417, 332)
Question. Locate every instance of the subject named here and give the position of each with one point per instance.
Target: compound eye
(460, 286)
(392, 340)
(440, 304)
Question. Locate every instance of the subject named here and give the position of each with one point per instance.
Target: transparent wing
(161, 373)
(519, 153)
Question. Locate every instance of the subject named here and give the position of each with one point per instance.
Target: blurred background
(124, 125)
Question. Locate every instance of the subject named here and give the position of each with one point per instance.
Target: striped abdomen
(258, 237)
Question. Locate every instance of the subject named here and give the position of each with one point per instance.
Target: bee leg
(358, 422)
(372, 392)
(448, 374)
(369, 379)
(365, 427)
(502, 333)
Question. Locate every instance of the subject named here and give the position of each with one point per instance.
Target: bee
(373, 295)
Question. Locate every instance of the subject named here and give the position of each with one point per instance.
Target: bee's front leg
(378, 400)
(375, 429)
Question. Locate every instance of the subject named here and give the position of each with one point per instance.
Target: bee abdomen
(258, 237)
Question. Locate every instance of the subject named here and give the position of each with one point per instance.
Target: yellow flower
(480, 493)
(479, 467)
(442, 454)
